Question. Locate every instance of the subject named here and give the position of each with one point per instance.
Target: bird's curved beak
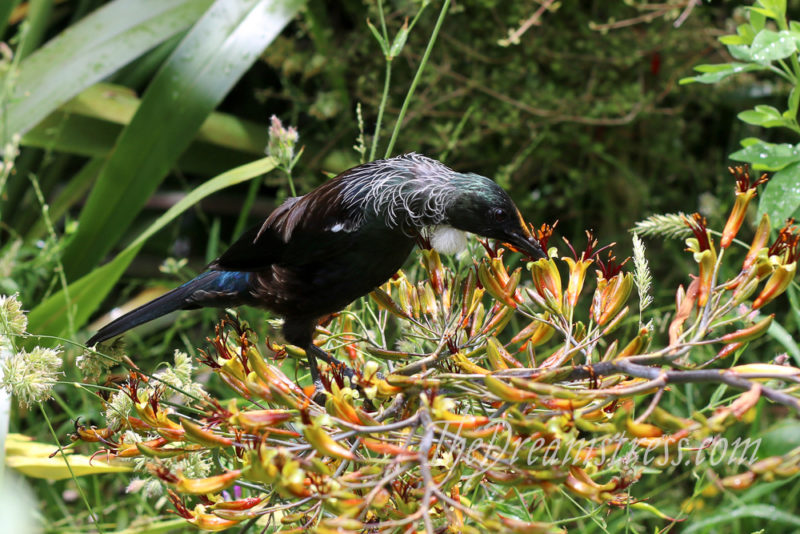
(523, 241)
(527, 244)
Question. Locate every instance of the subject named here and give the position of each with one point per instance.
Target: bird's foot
(336, 368)
(320, 393)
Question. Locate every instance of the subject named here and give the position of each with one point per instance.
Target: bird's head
(483, 208)
(415, 192)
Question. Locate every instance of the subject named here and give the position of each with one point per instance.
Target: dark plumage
(318, 252)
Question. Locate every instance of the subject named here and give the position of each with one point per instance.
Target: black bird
(317, 253)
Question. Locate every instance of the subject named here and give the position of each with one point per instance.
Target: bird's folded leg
(313, 352)
(314, 368)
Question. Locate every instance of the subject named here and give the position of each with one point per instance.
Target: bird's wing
(303, 229)
(250, 254)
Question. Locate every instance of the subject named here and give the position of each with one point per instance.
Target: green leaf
(777, 7)
(91, 50)
(37, 18)
(767, 156)
(766, 116)
(757, 22)
(718, 72)
(74, 134)
(717, 67)
(769, 46)
(85, 136)
(794, 301)
(733, 40)
(768, 110)
(745, 33)
(740, 52)
(770, 514)
(749, 141)
(114, 103)
(379, 38)
(6, 9)
(87, 293)
(764, 12)
(194, 80)
(781, 198)
(780, 438)
(399, 41)
(779, 334)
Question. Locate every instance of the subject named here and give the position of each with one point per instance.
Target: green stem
(246, 207)
(45, 209)
(384, 98)
(94, 516)
(386, 81)
(382, 18)
(417, 77)
(291, 184)
(66, 341)
(782, 73)
(781, 20)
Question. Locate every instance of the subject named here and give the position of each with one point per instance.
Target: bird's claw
(320, 393)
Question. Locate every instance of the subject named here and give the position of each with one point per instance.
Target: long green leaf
(87, 294)
(199, 73)
(779, 334)
(86, 136)
(37, 18)
(118, 104)
(90, 50)
(6, 9)
(772, 516)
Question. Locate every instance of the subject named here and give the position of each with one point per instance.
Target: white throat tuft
(448, 240)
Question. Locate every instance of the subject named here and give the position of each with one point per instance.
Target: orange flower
(198, 517)
(783, 254)
(613, 290)
(578, 265)
(758, 244)
(702, 247)
(547, 282)
(745, 191)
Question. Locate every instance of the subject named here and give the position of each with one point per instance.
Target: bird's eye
(499, 215)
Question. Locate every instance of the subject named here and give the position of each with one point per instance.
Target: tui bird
(317, 253)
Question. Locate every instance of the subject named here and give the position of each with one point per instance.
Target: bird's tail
(209, 289)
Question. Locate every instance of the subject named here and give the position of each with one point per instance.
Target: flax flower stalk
(745, 192)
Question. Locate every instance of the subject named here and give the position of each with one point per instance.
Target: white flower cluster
(282, 142)
(28, 375)
(179, 376)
